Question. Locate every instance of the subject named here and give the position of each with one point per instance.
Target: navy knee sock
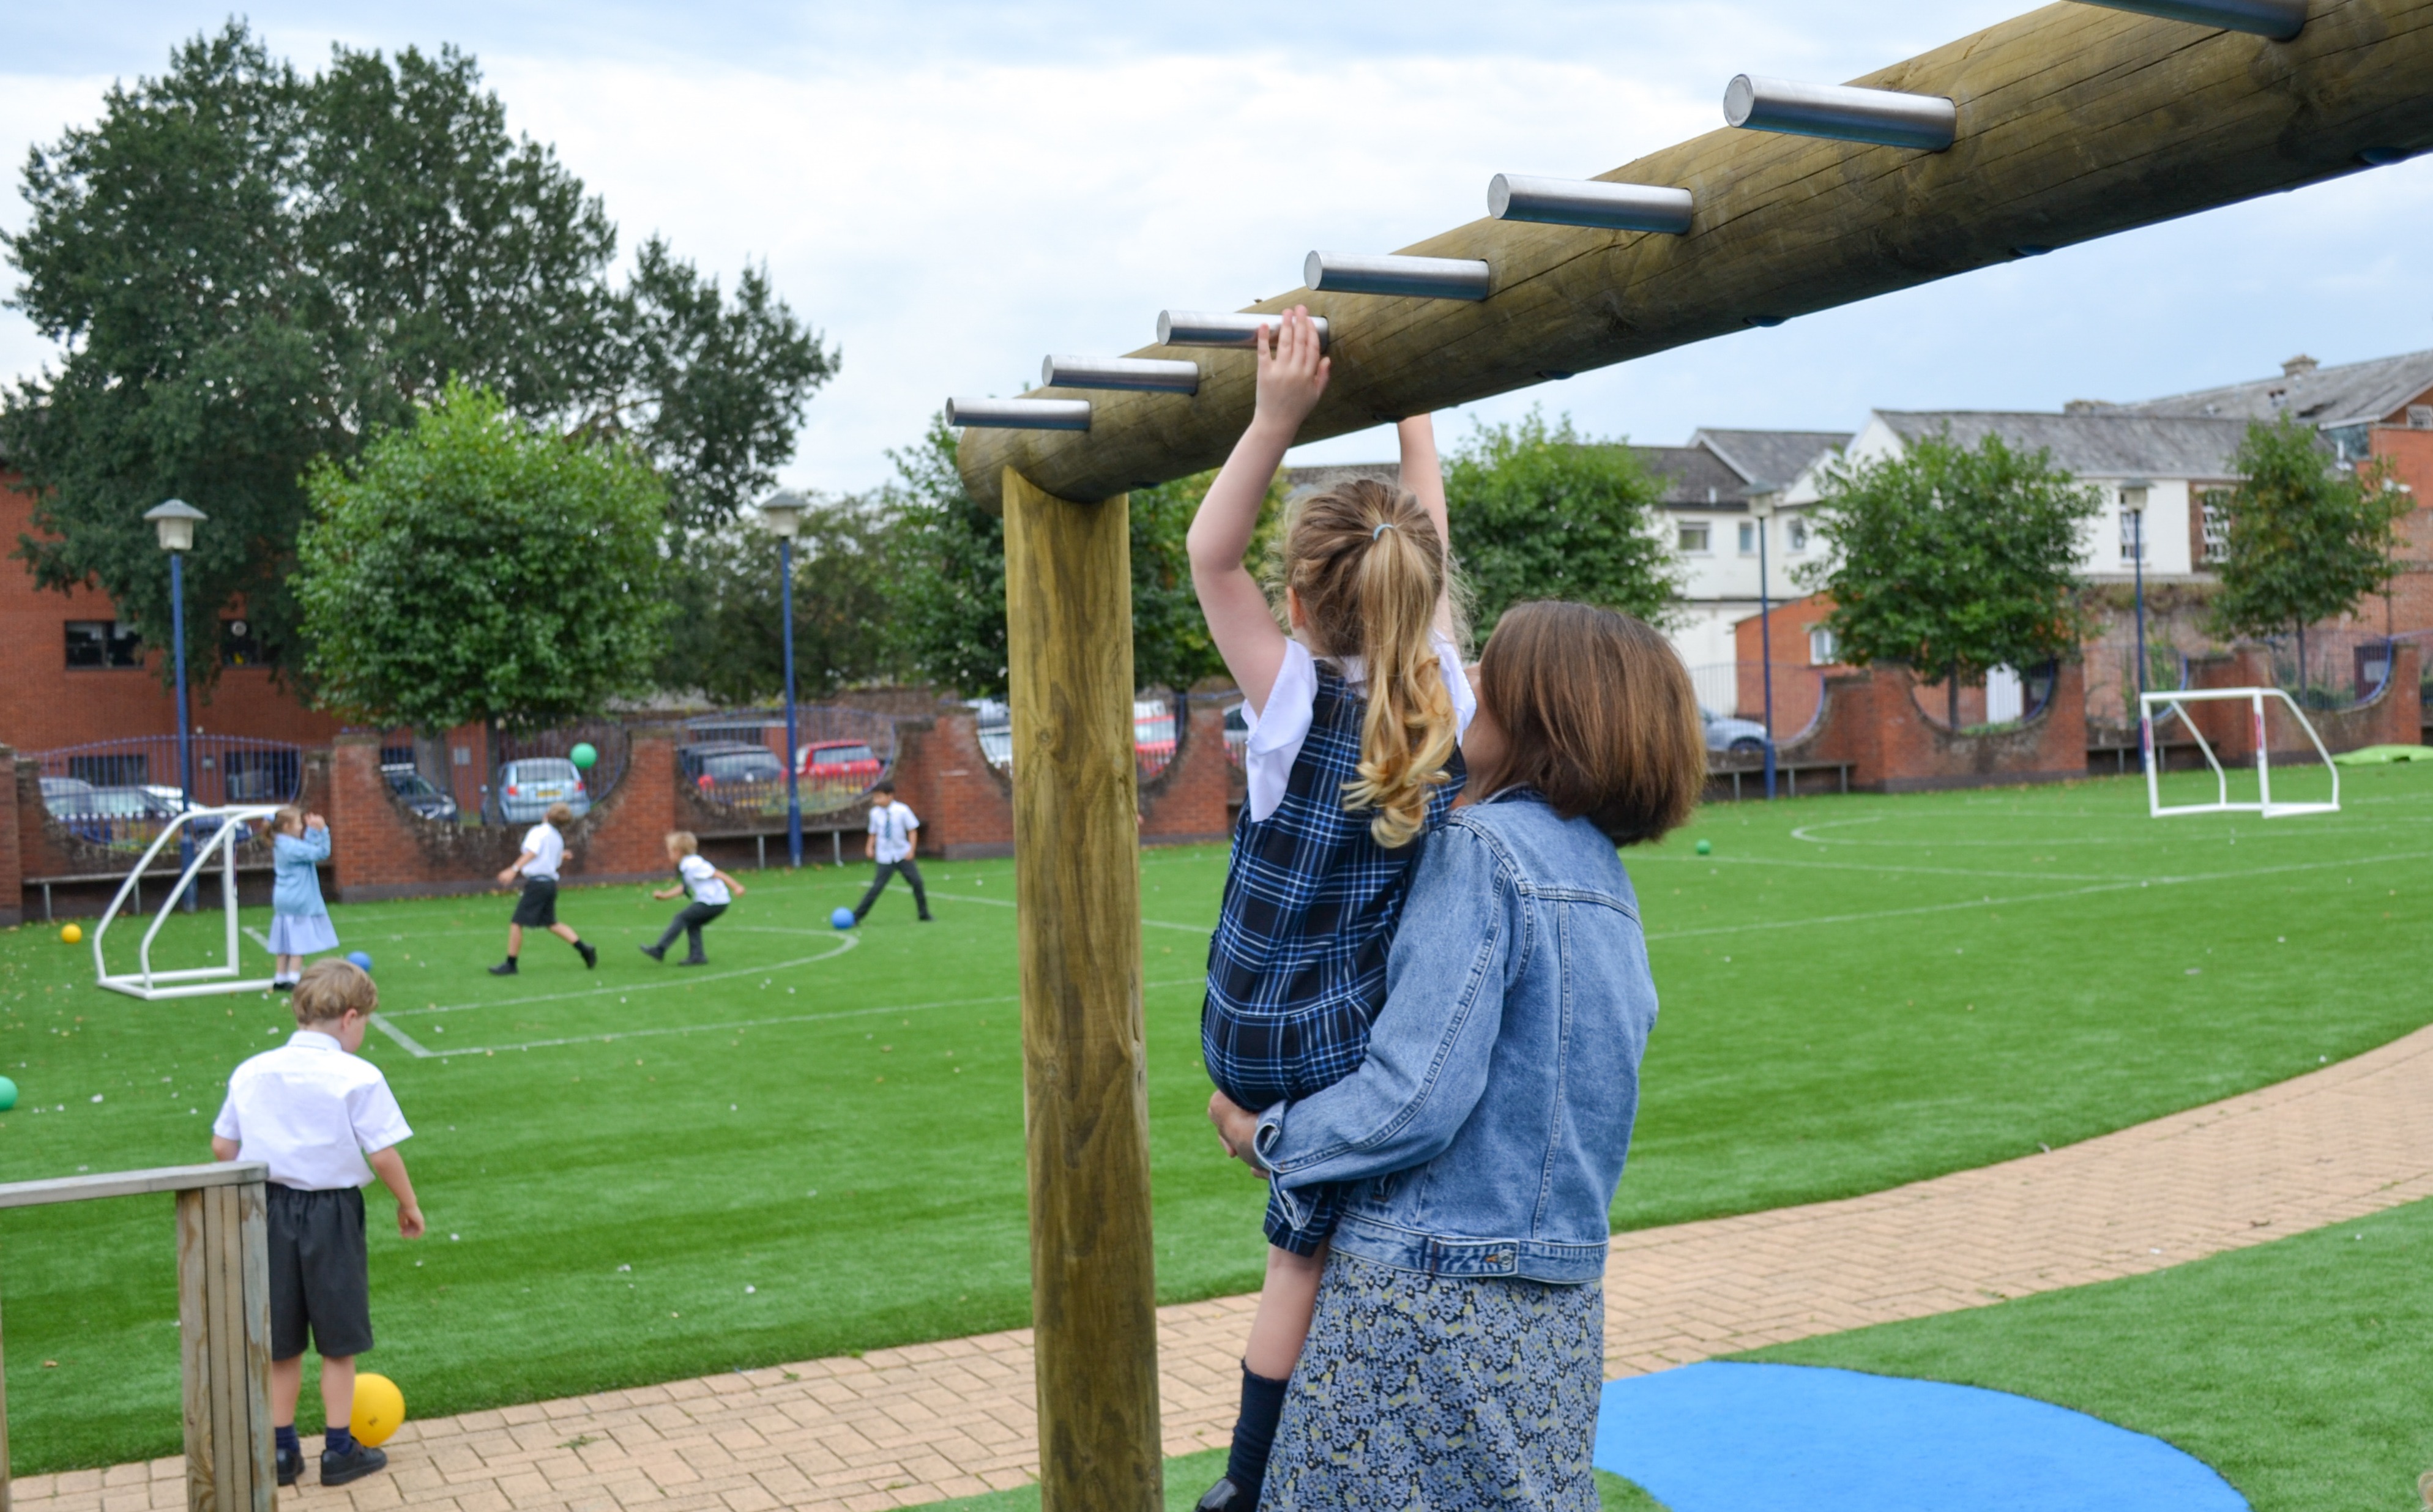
(1254, 1431)
(339, 1440)
(284, 1439)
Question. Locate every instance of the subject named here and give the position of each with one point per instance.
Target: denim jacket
(1487, 1129)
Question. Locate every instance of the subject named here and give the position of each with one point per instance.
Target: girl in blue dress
(300, 922)
(1354, 718)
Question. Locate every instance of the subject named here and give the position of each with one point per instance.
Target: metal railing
(1732, 700)
(122, 793)
(2328, 670)
(1157, 722)
(841, 753)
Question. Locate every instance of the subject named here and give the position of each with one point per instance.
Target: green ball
(1706, 847)
(8, 1095)
(584, 756)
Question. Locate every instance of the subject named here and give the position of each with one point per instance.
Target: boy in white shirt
(544, 852)
(313, 1109)
(892, 824)
(712, 890)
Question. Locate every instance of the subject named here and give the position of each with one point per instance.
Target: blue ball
(362, 961)
(843, 918)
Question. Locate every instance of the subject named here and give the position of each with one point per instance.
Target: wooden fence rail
(222, 1320)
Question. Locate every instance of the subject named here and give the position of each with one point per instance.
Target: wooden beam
(131, 1183)
(1077, 873)
(2075, 122)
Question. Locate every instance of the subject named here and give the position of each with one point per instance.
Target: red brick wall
(1186, 803)
(966, 807)
(44, 704)
(1875, 720)
(1798, 686)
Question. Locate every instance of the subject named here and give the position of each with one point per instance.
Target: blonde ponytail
(1365, 561)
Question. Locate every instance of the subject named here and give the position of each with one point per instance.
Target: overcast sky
(952, 190)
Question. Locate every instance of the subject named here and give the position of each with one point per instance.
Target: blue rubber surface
(1722, 1437)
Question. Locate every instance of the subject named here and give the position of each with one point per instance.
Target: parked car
(527, 787)
(1152, 733)
(419, 792)
(130, 816)
(1738, 736)
(729, 767)
(838, 771)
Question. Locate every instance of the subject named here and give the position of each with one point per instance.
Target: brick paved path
(898, 1427)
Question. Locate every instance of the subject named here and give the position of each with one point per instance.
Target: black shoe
(505, 968)
(356, 1463)
(928, 918)
(694, 960)
(1226, 1497)
(655, 952)
(282, 987)
(590, 956)
(291, 1464)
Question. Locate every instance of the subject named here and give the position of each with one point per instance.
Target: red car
(841, 769)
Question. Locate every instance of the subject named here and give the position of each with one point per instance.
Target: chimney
(2087, 406)
(2299, 366)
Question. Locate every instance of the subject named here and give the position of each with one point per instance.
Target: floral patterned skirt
(1421, 1393)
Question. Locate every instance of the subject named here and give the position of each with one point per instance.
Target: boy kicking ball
(892, 824)
(544, 851)
(712, 890)
(313, 1109)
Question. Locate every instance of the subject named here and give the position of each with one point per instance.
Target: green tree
(949, 609)
(1539, 513)
(1951, 560)
(475, 569)
(725, 637)
(248, 270)
(2308, 538)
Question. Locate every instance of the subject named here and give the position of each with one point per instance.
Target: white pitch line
(380, 1020)
(1870, 866)
(848, 942)
(1009, 903)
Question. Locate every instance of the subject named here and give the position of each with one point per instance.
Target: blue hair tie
(1381, 530)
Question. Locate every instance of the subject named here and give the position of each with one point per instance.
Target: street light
(783, 510)
(1762, 510)
(2132, 503)
(176, 520)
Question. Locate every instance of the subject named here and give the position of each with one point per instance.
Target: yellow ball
(71, 935)
(379, 1408)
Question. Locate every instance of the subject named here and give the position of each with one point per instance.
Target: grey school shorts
(320, 1273)
(537, 907)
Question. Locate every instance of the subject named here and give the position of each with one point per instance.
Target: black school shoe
(590, 955)
(505, 968)
(694, 960)
(291, 1464)
(356, 1463)
(1225, 1497)
(655, 952)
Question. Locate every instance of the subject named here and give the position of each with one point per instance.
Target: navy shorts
(320, 1273)
(537, 907)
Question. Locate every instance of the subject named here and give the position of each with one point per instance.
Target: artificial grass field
(2297, 1368)
(1858, 992)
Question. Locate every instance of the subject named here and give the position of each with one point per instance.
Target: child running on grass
(299, 921)
(544, 852)
(325, 1121)
(712, 890)
(1354, 723)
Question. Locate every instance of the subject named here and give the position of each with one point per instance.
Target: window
(239, 645)
(1693, 535)
(120, 769)
(1748, 538)
(103, 643)
(2216, 504)
(2420, 416)
(1821, 648)
(2132, 542)
(1795, 532)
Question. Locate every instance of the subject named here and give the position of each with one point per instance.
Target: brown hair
(683, 843)
(1597, 714)
(559, 814)
(330, 989)
(1366, 563)
(289, 820)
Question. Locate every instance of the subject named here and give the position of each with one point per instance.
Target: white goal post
(195, 981)
(2255, 698)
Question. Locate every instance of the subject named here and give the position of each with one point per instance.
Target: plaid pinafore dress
(1297, 968)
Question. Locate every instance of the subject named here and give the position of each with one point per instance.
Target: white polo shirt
(312, 1112)
(701, 877)
(548, 849)
(894, 824)
(1278, 731)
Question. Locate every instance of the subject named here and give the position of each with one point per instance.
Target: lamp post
(783, 510)
(176, 520)
(2132, 503)
(1762, 510)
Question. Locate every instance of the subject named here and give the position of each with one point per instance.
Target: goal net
(217, 832)
(2171, 711)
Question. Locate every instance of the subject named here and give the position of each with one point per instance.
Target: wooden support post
(1076, 872)
(223, 1327)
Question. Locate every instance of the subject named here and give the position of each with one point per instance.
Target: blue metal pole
(793, 774)
(1765, 651)
(2137, 565)
(185, 736)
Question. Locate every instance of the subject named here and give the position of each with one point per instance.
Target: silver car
(527, 787)
(1738, 736)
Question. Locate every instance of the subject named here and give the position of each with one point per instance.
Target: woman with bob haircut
(1459, 1346)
